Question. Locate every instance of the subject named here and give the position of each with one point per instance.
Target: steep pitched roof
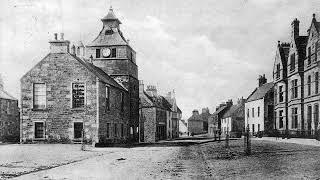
(301, 43)
(235, 110)
(106, 39)
(219, 110)
(179, 110)
(157, 101)
(5, 95)
(110, 16)
(99, 73)
(260, 92)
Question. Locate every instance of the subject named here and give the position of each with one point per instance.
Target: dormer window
(108, 32)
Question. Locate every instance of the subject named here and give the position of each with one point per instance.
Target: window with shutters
(78, 95)
(39, 96)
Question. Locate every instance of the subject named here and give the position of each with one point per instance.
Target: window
(114, 52)
(78, 95)
(8, 107)
(309, 55)
(122, 101)
(248, 113)
(294, 117)
(309, 117)
(39, 130)
(252, 112)
(294, 89)
(275, 122)
(78, 51)
(309, 85)
(39, 96)
(107, 98)
(258, 127)
(278, 71)
(108, 130)
(280, 93)
(109, 32)
(77, 129)
(292, 62)
(252, 128)
(122, 130)
(316, 116)
(281, 119)
(316, 82)
(98, 53)
(258, 111)
(316, 52)
(115, 130)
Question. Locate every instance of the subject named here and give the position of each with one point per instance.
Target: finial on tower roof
(314, 15)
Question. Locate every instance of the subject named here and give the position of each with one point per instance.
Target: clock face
(106, 52)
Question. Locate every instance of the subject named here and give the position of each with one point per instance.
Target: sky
(208, 51)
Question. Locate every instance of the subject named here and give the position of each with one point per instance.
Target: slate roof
(99, 73)
(219, 110)
(260, 92)
(103, 39)
(235, 111)
(5, 95)
(157, 101)
(110, 16)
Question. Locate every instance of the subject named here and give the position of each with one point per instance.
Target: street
(204, 160)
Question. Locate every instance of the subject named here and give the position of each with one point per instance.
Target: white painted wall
(256, 119)
(226, 125)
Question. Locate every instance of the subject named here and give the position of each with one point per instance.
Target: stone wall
(9, 120)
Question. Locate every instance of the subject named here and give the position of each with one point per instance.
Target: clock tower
(112, 53)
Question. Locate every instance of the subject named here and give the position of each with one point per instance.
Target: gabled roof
(235, 111)
(5, 95)
(156, 101)
(260, 92)
(219, 110)
(99, 73)
(179, 110)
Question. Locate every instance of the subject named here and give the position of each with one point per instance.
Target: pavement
(302, 141)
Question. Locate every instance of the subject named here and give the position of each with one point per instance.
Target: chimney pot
(73, 50)
(61, 36)
(55, 36)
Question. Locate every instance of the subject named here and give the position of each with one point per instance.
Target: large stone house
(155, 115)
(92, 89)
(259, 108)
(297, 97)
(9, 116)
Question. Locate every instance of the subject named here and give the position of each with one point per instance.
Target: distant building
(259, 108)
(183, 127)
(232, 121)
(9, 116)
(214, 121)
(173, 128)
(92, 89)
(155, 114)
(198, 123)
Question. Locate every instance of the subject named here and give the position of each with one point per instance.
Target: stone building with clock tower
(111, 52)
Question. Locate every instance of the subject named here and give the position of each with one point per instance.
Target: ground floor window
(122, 130)
(108, 130)
(294, 118)
(280, 119)
(115, 130)
(253, 128)
(316, 116)
(258, 127)
(39, 130)
(78, 126)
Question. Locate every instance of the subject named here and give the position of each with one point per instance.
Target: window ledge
(77, 109)
(39, 109)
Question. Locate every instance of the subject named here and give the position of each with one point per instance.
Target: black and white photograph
(159, 89)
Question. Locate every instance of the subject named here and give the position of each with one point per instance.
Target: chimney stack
(152, 90)
(59, 46)
(73, 49)
(141, 87)
(195, 112)
(229, 103)
(262, 80)
(295, 29)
